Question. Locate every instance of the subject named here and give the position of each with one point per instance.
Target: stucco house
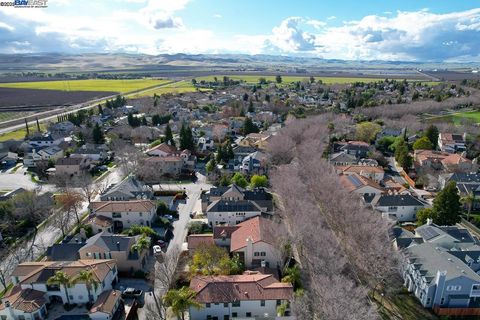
(125, 214)
(400, 207)
(250, 295)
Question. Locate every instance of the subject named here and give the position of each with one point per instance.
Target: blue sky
(354, 30)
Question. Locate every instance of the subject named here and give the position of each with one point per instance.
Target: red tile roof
(258, 229)
(195, 240)
(106, 302)
(223, 231)
(248, 286)
(26, 300)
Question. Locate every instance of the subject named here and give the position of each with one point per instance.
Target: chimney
(429, 221)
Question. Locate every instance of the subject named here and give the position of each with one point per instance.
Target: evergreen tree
(447, 206)
(98, 136)
(249, 127)
(432, 134)
(186, 138)
(278, 79)
(169, 136)
(100, 110)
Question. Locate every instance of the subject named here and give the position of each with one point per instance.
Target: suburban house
(467, 183)
(437, 160)
(95, 153)
(45, 140)
(375, 173)
(71, 167)
(400, 207)
(360, 185)
(205, 144)
(343, 159)
(107, 306)
(231, 212)
(128, 189)
(124, 214)
(162, 150)
(452, 143)
(194, 241)
(117, 247)
(359, 149)
(441, 269)
(8, 159)
(255, 163)
(250, 295)
(62, 128)
(254, 240)
(166, 165)
(222, 235)
(52, 152)
(168, 160)
(31, 293)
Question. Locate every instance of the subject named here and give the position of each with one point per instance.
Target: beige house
(71, 167)
(124, 214)
(116, 247)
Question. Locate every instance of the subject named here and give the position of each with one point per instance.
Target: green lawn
(120, 86)
(20, 133)
(471, 115)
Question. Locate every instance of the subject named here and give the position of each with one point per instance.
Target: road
(193, 191)
(47, 234)
(75, 108)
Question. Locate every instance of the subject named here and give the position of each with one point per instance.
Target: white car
(157, 249)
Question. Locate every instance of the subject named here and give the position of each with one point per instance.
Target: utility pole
(26, 125)
(38, 125)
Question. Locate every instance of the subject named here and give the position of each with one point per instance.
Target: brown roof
(164, 147)
(258, 229)
(165, 159)
(223, 231)
(454, 158)
(40, 272)
(123, 206)
(106, 302)
(360, 168)
(443, 157)
(102, 221)
(26, 300)
(248, 286)
(195, 240)
(359, 182)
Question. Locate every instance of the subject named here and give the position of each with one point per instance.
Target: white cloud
(5, 26)
(217, 15)
(331, 18)
(288, 37)
(317, 24)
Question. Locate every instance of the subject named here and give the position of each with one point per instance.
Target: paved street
(193, 203)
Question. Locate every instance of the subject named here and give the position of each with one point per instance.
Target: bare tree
(70, 201)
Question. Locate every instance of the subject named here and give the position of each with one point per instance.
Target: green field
(471, 115)
(21, 133)
(120, 86)
(289, 79)
(6, 116)
(176, 87)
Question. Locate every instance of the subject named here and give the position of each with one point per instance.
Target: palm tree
(62, 279)
(90, 281)
(142, 243)
(181, 300)
(293, 276)
(469, 200)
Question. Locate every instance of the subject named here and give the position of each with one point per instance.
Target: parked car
(162, 243)
(132, 293)
(168, 216)
(157, 249)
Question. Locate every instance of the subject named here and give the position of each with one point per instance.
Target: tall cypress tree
(169, 136)
(446, 206)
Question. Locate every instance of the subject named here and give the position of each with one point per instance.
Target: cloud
(317, 24)
(288, 37)
(217, 15)
(5, 26)
(331, 18)
(167, 23)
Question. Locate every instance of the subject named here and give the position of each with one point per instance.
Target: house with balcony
(30, 293)
(124, 214)
(250, 295)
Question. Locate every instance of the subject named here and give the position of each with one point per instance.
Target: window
(236, 304)
(80, 297)
(21, 317)
(207, 305)
(248, 314)
(209, 317)
(442, 301)
(3, 317)
(226, 317)
(116, 214)
(262, 303)
(71, 297)
(225, 305)
(476, 287)
(263, 254)
(234, 314)
(392, 209)
(256, 254)
(279, 302)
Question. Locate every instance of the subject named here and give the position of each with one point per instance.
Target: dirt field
(25, 99)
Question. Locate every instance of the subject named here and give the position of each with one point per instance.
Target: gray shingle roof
(233, 206)
(397, 200)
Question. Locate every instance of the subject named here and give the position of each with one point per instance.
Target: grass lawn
(288, 79)
(88, 85)
(471, 115)
(20, 133)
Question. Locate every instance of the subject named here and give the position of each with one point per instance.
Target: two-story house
(128, 189)
(124, 214)
(250, 295)
(450, 142)
(400, 207)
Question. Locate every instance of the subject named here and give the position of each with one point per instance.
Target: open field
(456, 117)
(119, 86)
(5, 116)
(289, 79)
(176, 87)
(20, 133)
(15, 99)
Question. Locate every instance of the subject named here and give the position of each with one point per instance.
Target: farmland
(471, 115)
(104, 85)
(175, 87)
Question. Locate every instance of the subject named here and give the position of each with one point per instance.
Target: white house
(106, 306)
(254, 240)
(30, 293)
(231, 212)
(125, 214)
(400, 207)
(250, 295)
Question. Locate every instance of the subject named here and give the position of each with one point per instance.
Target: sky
(400, 30)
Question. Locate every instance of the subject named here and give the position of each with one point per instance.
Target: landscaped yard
(120, 86)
